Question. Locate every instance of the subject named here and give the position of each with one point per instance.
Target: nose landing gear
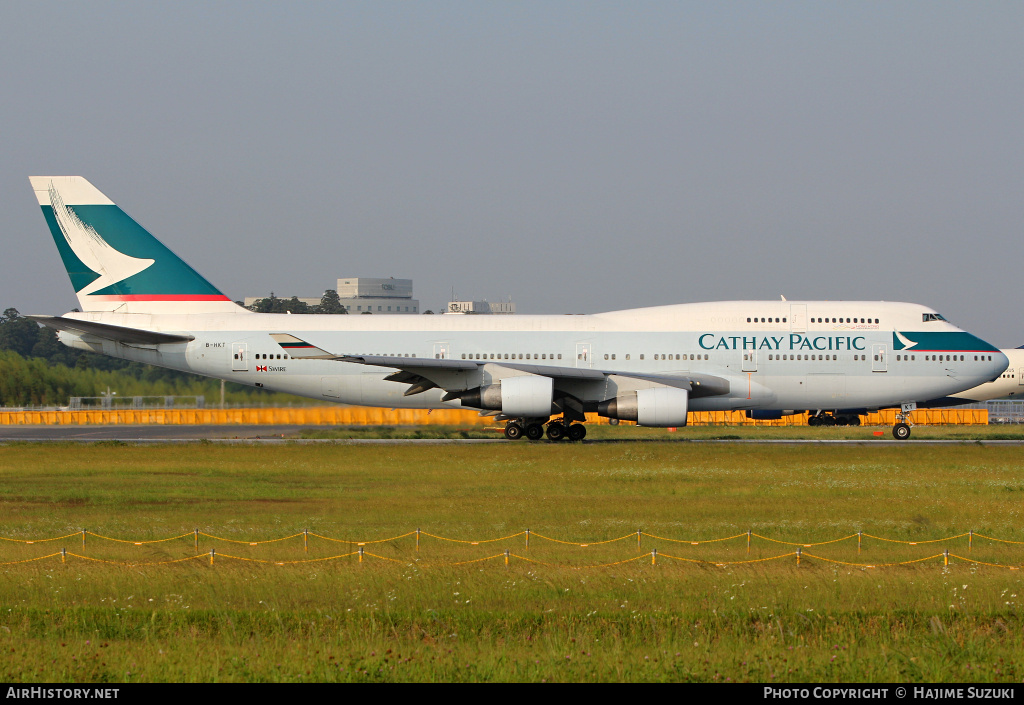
(901, 431)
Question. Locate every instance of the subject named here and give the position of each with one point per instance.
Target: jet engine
(660, 406)
(527, 396)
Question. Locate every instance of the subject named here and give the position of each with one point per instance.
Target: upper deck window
(931, 317)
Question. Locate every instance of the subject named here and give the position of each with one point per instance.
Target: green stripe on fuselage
(946, 341)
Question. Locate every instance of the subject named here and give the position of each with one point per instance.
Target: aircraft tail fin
(114, 263)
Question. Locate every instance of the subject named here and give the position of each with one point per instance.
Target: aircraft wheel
(577, 432)
(829, 420)
(513, 431)
(556, 431)
(901, 432)
(813, 421)
(853, 421)
(535, 432)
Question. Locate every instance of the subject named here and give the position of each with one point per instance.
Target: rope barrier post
(305, 540)
(212, 553)
(83, 539)
(63, 555)
(748, 540)
(860, 537)
(506, 558)
(970, 539)
(417, 539)
(945, 557)
(638, 533)
(196, 532)
(527, 539)
(798, 555)
(654, 556)
(360, 554)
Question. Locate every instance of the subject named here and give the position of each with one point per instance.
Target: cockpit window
(931, 317)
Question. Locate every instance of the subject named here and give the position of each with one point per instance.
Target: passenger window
(606, 356)
(627, 356)
(641, 356)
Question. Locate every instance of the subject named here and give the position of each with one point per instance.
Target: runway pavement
(289, 434)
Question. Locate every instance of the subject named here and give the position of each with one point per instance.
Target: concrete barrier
(371, 416)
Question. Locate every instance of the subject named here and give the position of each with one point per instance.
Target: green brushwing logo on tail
(107, 254)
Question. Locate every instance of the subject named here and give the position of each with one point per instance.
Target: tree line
(37, 370)
(330, 303)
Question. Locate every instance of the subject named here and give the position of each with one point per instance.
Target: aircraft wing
(457, 376)
(121, 334)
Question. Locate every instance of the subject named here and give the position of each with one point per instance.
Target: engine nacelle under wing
(527, 395)
(663, 407)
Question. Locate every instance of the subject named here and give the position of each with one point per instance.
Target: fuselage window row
(528, 356)
(800, 357)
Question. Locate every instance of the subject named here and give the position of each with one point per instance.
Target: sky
(575, 156)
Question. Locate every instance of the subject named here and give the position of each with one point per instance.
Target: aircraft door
(239, 357)
(442, 351)
(584, 355)
(878, 362)
(798, 318)
(1020, 376)
(750, 360)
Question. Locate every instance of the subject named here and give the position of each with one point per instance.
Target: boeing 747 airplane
(141, 302)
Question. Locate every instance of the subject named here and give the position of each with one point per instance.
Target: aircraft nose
(999, 364)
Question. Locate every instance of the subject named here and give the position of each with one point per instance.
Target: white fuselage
(1009, 384)
(775, 355)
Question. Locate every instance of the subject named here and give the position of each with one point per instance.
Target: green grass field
(415, 616)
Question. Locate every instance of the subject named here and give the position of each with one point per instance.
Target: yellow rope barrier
(694, 543)
(479, 560)
(562, 565)
(246, 543)
(574, 543)
(505, 538)
(29, 560)
(808, 545)
(136, 543)
(474, 543)
(101, 560)
(982, 536)
(306, 560)
(383, 558)
(361, 543)
(55, 538)
(508, 555)
(875, 565)
(996, 565)
(915, 543)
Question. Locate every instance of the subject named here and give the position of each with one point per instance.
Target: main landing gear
(534, 430)
(824, 419)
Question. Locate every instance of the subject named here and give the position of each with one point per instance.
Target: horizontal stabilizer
(130, 336)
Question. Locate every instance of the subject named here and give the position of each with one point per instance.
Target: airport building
(481, 307)
(367, 295)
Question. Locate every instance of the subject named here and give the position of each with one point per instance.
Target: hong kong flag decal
(261, 368)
